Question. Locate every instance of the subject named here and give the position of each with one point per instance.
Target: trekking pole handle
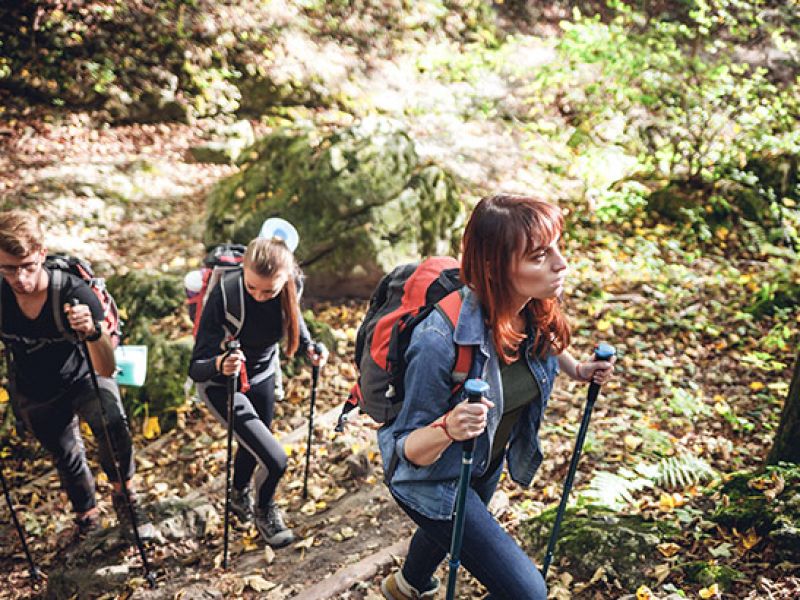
(475, 389)
(232, 346)
(602, 352)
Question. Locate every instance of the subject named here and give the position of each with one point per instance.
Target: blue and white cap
(282, 230)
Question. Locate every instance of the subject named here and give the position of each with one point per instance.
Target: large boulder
(360, 198)
(594, 537)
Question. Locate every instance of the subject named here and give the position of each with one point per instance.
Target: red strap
(244, 382)
(450, 306)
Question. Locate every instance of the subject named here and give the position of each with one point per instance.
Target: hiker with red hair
(514, 273)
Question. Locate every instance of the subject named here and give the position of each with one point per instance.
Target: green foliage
(676, 472)
(145, 298)
(707, 574)
(615, 490)
(669, 91)
(188, 56)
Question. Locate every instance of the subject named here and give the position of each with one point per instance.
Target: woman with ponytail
(514, 272)
(270, 284)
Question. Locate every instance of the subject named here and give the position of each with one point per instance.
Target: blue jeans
(487, 551)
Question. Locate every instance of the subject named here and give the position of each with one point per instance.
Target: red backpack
(60, 264)
(221, 260)
(402, 300)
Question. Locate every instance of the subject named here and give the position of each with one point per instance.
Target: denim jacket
(431, 490)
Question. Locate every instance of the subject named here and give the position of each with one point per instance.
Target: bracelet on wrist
(98, 332)
(443, 426)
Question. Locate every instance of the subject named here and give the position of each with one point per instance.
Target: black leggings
(252, 417)
(55, 424)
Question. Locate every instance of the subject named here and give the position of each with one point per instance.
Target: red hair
(502, 229)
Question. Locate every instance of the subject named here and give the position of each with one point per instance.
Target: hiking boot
(147, 531)
(269, 522)
(395, 587)
(86, 525)
(242, 505)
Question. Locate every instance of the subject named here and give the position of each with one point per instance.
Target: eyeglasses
(28, 267)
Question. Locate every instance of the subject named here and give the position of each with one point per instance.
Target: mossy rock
(144, 297)
(592, 537)
(768, 501)
(676, 201)
(707, 574)
(359, 197)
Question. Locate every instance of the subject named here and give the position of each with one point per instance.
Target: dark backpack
(58, 264)
(402, 300)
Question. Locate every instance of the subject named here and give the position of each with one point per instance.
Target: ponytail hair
(266, 257)
(502, 229)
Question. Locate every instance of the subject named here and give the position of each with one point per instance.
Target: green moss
(709, 573)
(594, 536)
(359, 198)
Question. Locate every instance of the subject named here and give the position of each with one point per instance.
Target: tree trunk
(786, 446)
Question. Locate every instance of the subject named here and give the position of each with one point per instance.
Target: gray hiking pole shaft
(318, 348)
(233, 345)
(475, 388)
(602, 352)
(32, 570)
(148, 574)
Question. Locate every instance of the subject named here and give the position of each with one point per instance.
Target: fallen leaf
(258, 583)
(710, 592)
(644, 593)
(668, 549)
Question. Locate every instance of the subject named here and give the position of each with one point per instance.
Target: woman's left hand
(317, 353)
(596, 371)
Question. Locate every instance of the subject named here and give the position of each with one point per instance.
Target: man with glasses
(49, 380)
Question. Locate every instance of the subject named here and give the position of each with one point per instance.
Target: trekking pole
(232, 346)
(602, 352)
(148, 574)
(318, 349)
(32, 570)
(475, 388)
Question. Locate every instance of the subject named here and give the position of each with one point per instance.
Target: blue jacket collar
(470, 329)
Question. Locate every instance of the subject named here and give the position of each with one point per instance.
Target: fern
(681, 471)
(615, 490)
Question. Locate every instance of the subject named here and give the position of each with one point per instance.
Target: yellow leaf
(756, 386)
(603, 325)
(151, 428)
(668, 549)
(666, 503)
(3, 395)
(709, 592)
(750, 539)
(632, 442)
(644, 593)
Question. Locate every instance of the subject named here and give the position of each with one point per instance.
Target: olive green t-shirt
(519, 391)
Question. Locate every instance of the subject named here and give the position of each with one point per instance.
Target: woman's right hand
(230, 363)
(467, 420)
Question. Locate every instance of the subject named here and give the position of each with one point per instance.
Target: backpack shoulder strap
(57, 286)
(233, 301)
(450, 308)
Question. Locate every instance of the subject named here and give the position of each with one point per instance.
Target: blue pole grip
(475, 388)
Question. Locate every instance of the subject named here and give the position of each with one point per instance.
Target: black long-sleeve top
(259, 337)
